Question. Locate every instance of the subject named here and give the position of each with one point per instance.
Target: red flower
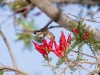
(48, 46)
(39, 49)
(75, 31)
(60, 50)
(86, 35)
(57, 51)
(45, 48)
(63, 40)
(37, 46)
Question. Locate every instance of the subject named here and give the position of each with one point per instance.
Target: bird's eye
(34, 32)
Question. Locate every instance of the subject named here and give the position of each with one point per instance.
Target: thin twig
(64, 69)
(83, 67)
(83, 62)
(9, 49)
(8, 68)
(90, 20)
(87, 62)
(92, 72)
(48, 63)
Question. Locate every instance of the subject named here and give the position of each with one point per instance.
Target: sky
(31, 61)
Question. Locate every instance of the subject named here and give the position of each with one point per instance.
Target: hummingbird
(45, 32)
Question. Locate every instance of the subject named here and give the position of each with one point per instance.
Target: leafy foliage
(26, 36)
(79, 40)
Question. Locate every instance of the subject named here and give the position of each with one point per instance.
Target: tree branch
(64, 69)
(8, 68)
(9, 49)
(92, 72)
(62, 19)
(87, 62)
(83, 67)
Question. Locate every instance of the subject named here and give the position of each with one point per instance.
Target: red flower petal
(37, 46)
(43, 52)
(59, 48)
(62, 39)
(44, 42)
(56, 46)
(68, 41)
(50, 44)
(62, 34)
(57, 53)
(69, 38)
